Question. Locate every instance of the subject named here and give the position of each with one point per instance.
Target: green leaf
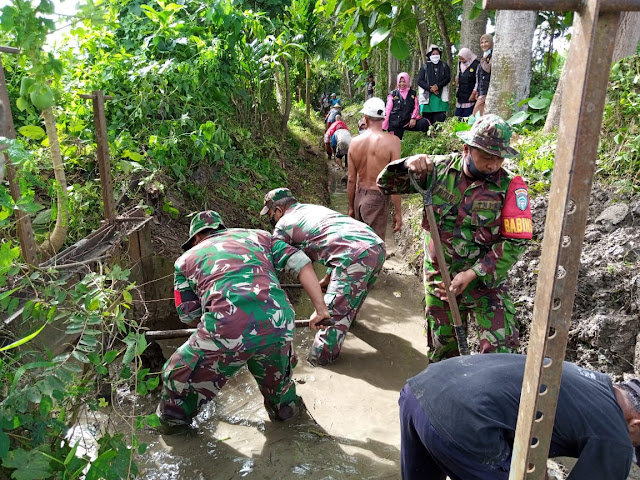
(476, 10)
(379, 35)
(399, 48)
(4, 444)
(33, 132)
(110, 356)
(127, 296)
(536, 117)
(517, 118)
(22, 104)
(539, 103)
(23, 340)
(31, 465)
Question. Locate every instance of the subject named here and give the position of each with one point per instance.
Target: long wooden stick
(186, 332)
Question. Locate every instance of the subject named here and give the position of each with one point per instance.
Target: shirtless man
(369, 153)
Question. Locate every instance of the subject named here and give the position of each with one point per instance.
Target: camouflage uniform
(484, 225)
(228, 282)
(352, 251)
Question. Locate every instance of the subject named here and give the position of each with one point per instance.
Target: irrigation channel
(352, 429)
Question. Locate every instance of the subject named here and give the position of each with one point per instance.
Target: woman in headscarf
(466, 82)
(484, 73)
(402, 111)
(433, 79)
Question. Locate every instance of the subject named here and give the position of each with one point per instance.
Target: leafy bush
(44, 393)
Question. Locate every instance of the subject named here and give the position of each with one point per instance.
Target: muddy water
(352, 429)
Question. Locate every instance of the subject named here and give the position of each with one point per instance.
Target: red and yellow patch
(516, 212)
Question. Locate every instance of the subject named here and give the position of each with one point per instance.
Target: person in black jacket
(465, 82)
(458, 418)
(402, 109)
(433, 79)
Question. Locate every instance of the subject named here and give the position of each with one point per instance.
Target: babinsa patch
(522, 198)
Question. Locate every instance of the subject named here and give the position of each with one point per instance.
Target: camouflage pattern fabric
(194, 375)
(352, 251)
(468, 213)
(491, 134)
(345, 295)
(229, 283)
(326, 236)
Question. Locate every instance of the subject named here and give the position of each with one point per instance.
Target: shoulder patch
(516, 212)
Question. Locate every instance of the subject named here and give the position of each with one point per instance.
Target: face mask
(487, 53)
(434, 58)
(473, 170)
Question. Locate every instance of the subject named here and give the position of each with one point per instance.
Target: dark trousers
(425, 456)
(422, 125)
(435, 117)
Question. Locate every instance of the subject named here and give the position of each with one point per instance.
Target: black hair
(632, 392)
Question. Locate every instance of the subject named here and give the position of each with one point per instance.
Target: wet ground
(352, 429)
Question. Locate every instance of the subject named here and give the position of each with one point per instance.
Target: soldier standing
(351, 250)
(226, 283)
(484, 219)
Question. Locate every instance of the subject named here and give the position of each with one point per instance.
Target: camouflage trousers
(494, 314)
(195, 374)
(345, 295)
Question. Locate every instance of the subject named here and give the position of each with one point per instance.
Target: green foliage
(537, 155)
(444, 142)
(45, 392)
(619, 150)
(537, 110)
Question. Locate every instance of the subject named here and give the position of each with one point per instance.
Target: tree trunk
(393, 69)
(472, 29)
(51, 245)
(307, 93)
(511, 61)
(626, 44)
(444, 34)
(279, 90)
(553, 117)
(287, 92)
(628, 36)
(348, 79)
(422, 33)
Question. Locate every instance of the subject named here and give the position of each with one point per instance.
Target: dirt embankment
(605, 325)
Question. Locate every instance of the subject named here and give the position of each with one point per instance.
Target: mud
(352, 430)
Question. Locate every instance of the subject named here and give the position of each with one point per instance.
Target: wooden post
(589, 63)
(104, 162)
(7, 129)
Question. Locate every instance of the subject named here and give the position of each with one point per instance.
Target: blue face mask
(487, 53)
(473, 170)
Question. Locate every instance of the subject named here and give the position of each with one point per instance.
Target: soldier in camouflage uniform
(351, 250)
(226, 282)
(484, 220)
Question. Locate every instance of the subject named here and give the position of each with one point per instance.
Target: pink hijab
(468, 57)
(404, 91)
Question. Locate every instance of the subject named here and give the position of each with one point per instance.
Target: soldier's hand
(397, 222)
(318, 317)
(419, 164)
(462, 280)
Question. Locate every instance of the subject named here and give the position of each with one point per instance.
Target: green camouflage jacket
(326, 236)
(229, 282)
(484, 225)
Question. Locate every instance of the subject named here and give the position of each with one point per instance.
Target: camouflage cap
(202, 221)
(274, 195)
(491, 134)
